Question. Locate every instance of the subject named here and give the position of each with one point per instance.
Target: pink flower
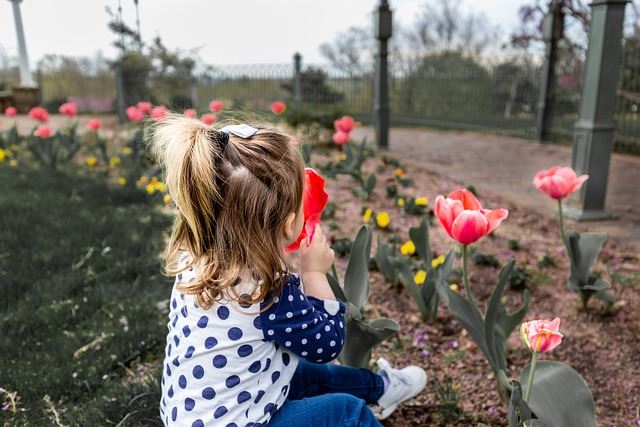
(216, 106)
(278, 107)
(159, 112)
(94, 124)
(191, 113)
(10, 111)
(208, 119)
(39, 114)
(43, 131)
(340, 137)
(558, 182)
(69, 109)
(134, 114)
(344, 124)
(144, 107)
(463, 218)
(541, 335)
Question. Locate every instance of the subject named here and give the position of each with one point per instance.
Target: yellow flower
(437, 261)
(383, 219)
(161, 187)
(2, 155)
(421, 201)
(167, 199)
(399, 172)
(114, 162)
(127, 150)
(454, 287)
(408, 248)
(420, 277)
(367, 215)
(91, 161)
(122, 181)
(13, 163)
(343, 157)
(150, 188)
(400, 202)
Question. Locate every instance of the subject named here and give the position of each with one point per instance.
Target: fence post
(594, 130)
(552, 32)
(120, 94)
(297, 84)
(382, 31)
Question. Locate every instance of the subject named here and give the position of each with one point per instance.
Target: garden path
(506, 165)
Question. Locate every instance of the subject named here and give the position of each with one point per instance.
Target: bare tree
(351, 51)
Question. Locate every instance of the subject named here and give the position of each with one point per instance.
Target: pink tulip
(43, 131)
(159, 112)
(69, 109)
(10, 112)
(208, 119)
(344, 124)
(216, 106)
(94, 124)
(191, 113)
(541, 335)
(144, 107)
(558, 182)
(463, 218)
(340, 137)
(278, 107)
(134, 114)
(39, 114)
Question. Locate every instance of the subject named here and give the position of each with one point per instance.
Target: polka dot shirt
(231, 365)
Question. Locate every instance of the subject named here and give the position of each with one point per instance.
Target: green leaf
(356, 277)
(336, 288)
(491, 317)
(420, 237)
(414, 290)
(583, 250)
(363, 337)
(518, 410)
(560, 397)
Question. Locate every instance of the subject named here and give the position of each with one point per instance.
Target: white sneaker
(403, 385)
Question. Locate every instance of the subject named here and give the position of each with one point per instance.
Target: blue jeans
(324, 395)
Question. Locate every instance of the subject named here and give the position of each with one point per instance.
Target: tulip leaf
(356, 277)
(490, 320)
(414, 290)
(518, 409)
(583, 249)
(363, 337)
(560, 397)
(336, 288)
(384, 260)
(420, 237)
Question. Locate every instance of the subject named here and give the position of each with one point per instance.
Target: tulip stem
(532, 371)
(465, 262)
(561, 216)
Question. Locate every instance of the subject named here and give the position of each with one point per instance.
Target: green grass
(79, 264)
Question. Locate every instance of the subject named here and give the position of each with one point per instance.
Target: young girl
(249, 341)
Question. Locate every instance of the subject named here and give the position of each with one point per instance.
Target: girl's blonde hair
(233, 200)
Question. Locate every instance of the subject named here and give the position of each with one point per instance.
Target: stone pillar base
(25, 98)
(587, 215)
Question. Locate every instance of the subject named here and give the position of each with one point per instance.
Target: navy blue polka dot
(186, 331)
(244, 396)
(223, 312)
(219, 361)
(175, 320)
(245, 350)
(182, 381)
(197, 423)
(234, 334)
(275, 376)
(168, 370)
(210, 342)
(286, 359)
(189, 403)
(184, 311)
(176, 340)
(174, 414)
(189, 352)
(257, 323)
(266, 365)
(174, 303)
(259, 396)
(208, 393)
(162, 380)
(269, 408)
(285, 388)
(202, 323)
(198, 372)
(175, 361)
(220, 412)
(255, 367)
(232, 381)
(231, 425)
(170, 392)
(169, 350)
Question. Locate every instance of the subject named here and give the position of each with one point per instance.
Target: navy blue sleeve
(309, 327)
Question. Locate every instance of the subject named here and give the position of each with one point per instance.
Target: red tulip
(43, 131)
(314, 199)
(144, 107)
(278, 107)
(216, 106)
(541, 335)
(39, 114)
(344, 124)
(69, 109)
(94, 124)
(191, 113)
(208, 119)
(10, 111)
(158, 113)
(134, 114)
(340, 137)
(463, 218)
(558, 182)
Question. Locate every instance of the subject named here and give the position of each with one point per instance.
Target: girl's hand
(317, 256)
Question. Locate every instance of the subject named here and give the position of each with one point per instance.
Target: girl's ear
(289, 227)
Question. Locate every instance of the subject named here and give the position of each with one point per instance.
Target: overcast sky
(226, 31)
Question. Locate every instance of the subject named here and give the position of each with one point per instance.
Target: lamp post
(382, 32)
(25, 73)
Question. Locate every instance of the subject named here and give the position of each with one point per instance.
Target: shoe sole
(384, 414)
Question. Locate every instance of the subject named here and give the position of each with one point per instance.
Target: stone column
(382, 31)
(25, 73)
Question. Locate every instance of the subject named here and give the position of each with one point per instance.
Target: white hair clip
(243, 130)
